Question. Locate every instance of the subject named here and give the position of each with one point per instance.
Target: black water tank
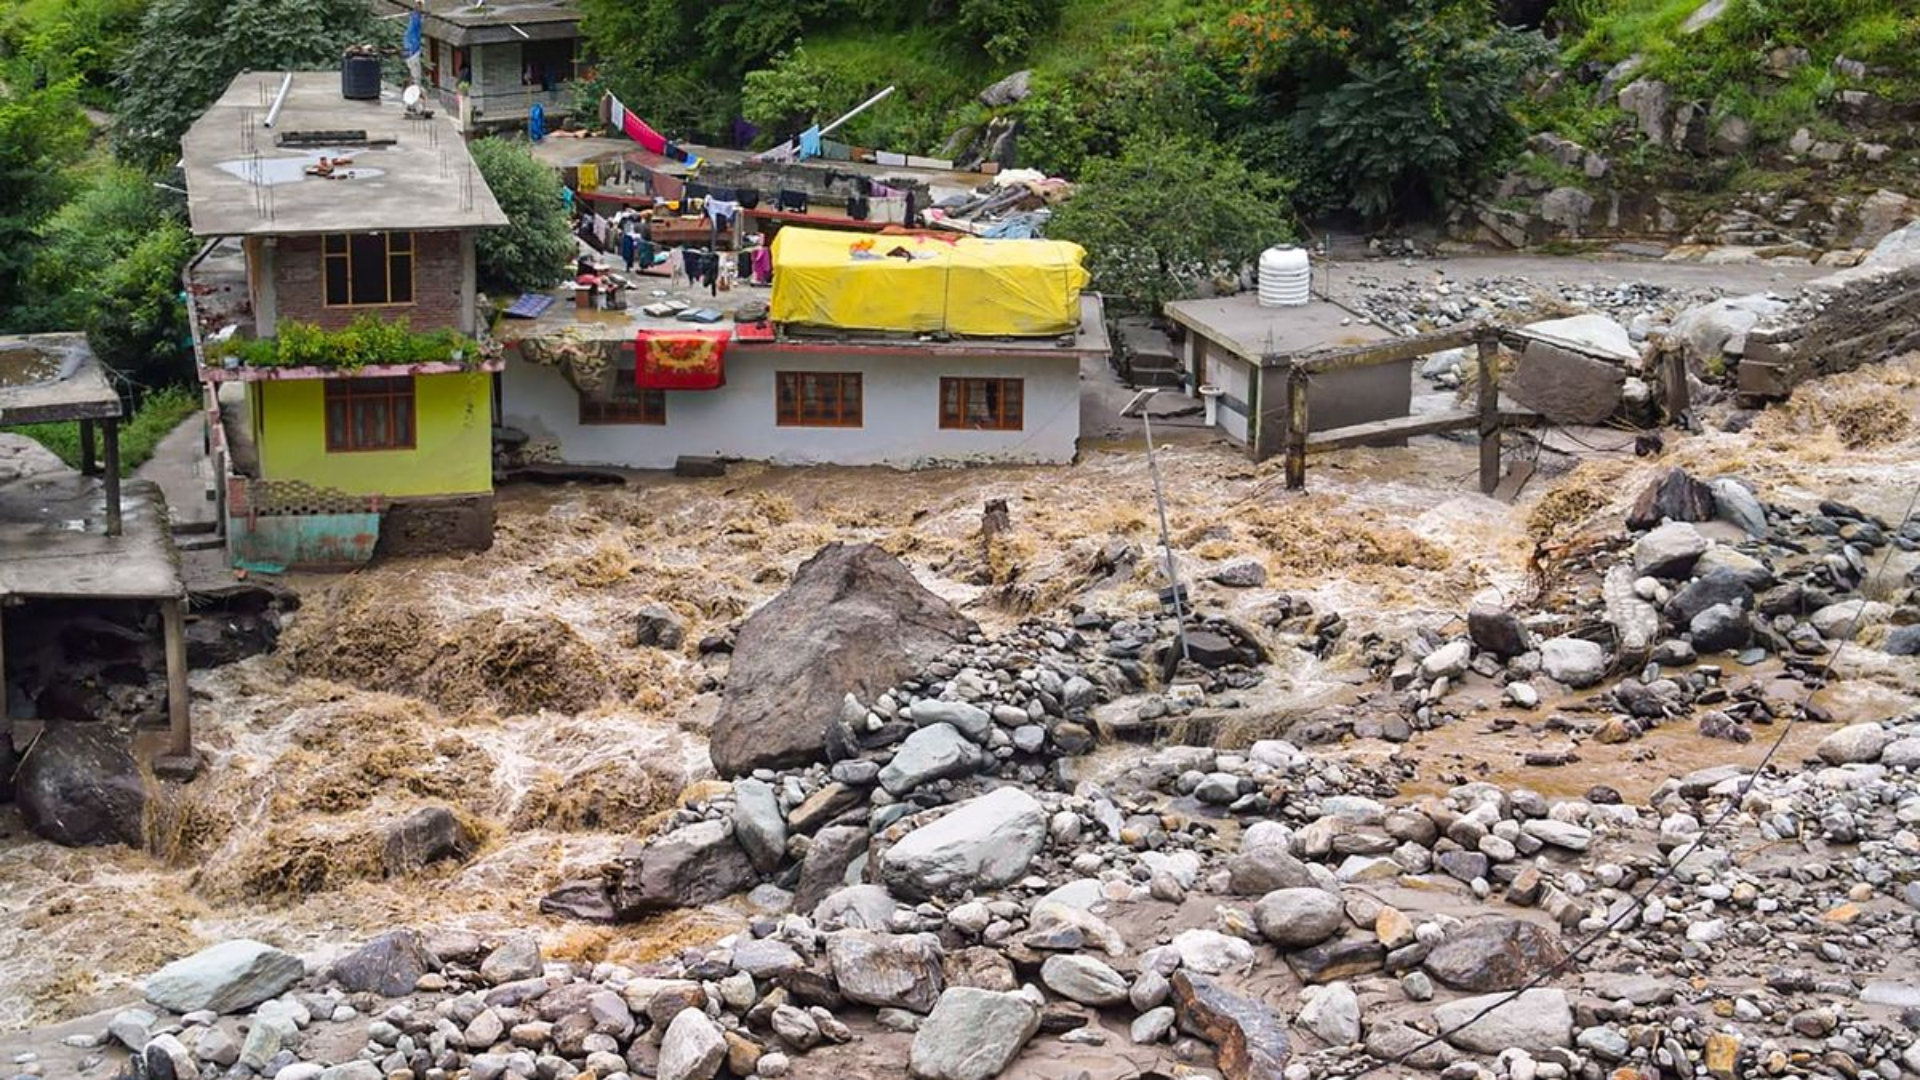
(360, 77)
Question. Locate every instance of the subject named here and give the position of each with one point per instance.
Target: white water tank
(1285, 275)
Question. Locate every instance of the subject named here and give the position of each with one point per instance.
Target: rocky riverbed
(1420, 749)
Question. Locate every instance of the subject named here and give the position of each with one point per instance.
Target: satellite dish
(410, 97)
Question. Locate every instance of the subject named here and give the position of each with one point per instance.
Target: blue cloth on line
(414, 33)
(810, 142)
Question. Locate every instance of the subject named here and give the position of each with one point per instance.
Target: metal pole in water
(1142, 401)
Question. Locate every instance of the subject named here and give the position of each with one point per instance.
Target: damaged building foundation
(69, 541)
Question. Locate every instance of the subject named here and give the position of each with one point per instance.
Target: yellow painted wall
(452, 455)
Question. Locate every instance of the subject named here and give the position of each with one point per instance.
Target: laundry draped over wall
(680, 359)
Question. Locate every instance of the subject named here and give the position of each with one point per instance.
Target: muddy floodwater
(507, 686)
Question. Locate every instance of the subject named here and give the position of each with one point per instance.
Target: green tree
(784, 94)
(1398, 104)
(99, 225)
(41, 133)
(137, 323)
(1162, 217)
(56, 40)
(1004, 28)
(534, 249)
(188, 51)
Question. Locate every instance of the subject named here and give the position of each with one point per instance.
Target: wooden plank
(1488, 404)
(1297, 437)
(1388, 352)
(1516, 478)
(1393, 430)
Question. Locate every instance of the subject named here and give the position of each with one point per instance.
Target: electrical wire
(1638, 903)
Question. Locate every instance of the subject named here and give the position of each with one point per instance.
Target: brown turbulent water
(505, 684)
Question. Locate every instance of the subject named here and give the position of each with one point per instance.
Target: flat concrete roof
(240, 181)
(53, 377)
(1241, 326)
(54, 543)
(457, 21)
(565, 318)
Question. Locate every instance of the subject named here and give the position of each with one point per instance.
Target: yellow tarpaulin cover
(961, 285)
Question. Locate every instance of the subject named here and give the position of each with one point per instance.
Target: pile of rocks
(1152, 921)
(1410, 308)
(1710, 570)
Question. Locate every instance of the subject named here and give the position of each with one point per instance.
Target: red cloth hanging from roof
(634, 127)
(680, 359)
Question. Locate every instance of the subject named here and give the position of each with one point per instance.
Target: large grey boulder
(1299, 918)
(983, 843)
(1855, 744)
(1332, 1013)
(855, 907)
(1008, 91)
(693, 865)
(1566, 385)
(853, 621)
(887, 971)
(1251, 1037)
(1718, 328)
(972, 1034)
(389, 965)
(693, 1048)
(1573, 662)
(1669, 551)
(224, 978)
(758, 825)
(1651, 103)
(80, 787)
(1494, 954)
(935, 752)
(1536, 1021)
(970, 720)
(834, 850)
(1084, 979)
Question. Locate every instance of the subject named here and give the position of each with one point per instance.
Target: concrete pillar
(89, 451)
(265, 252)
(113, 477)
(469, 282)
(179, 720)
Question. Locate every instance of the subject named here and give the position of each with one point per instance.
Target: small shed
(67, 537)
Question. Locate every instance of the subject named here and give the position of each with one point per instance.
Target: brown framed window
(370, 414)
(982, 404)
(368, 269)
(817, 399)
(628, 404)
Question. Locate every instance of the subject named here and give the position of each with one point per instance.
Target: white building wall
(901, 414)
(1234, 377)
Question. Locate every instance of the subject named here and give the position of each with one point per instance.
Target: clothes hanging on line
(762, 264)
(792, 202)
(721, 212)
(810, 142)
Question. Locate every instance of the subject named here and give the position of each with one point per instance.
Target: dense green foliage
(159, 413)
(369, 339)
(536, 248)
(1163, 217)
(188, 51)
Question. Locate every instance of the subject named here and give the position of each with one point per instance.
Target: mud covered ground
(507, 686)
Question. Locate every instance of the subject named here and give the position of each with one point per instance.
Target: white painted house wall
(901, 414)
